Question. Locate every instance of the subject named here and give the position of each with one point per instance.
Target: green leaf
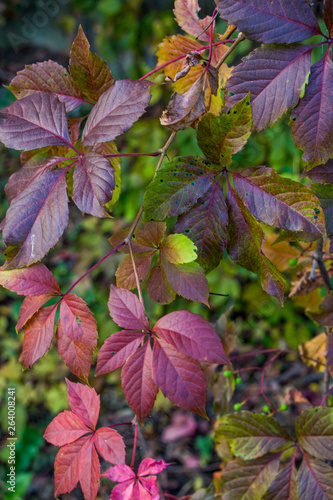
(220, 137)
(177, 186)
(246, 238)
(314, 431)
(252, 435)
(249, 480)
(178, 249)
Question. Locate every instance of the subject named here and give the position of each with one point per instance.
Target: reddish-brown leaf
(65, 428)
(158, 287)
(110, 445)
(77, 320)
(126, 310)
(138, 384)
(34, 280)
(29, 307)
(187, 280)
(116, 111)
(186, 14)
(117, 349)
(179, 377)
(125, 272)
(76, 354)
(190, 334)
(84, 402)
(38, 335)
(93, 184)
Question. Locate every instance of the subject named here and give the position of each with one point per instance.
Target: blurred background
(126, 33)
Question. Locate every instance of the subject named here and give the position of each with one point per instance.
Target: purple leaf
(93, 183)
(284, 485)
(187, 280)
(315, 480)
(34, 122)
(206, 225)
(321, 173)
(280, 21)
(314, 431)
(278, 201)
(312, 119)
(117, 349)
(36, 219)
(246, 238)
(19, 180)
(275, 76)
(50, 77)
(126, 310)
(116, 111)
(190, 334)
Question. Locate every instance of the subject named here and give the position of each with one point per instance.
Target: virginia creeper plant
(218, 208)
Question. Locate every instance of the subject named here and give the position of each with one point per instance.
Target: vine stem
(238, 40)
(175, 59)
(134, 445)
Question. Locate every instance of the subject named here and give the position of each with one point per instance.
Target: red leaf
(190, 334)
(110, 445)
(116, 111)
(312, 119)
(150, 466)
(126, 310)
(88, 71)
(180, 378)
(279, 22)
(117, 349)
(65, 428)
(66, 466)
(186, 14)
(137, 381)
(123, 491)
(35, 280)
(120, 473)
(50, 77)
(89, 470)
(38, 335)
(84, 402)
(93, 184)
(76, 354)
(78, 321)
(33, 168)
(34, 122)
(29, 307)
(36, 219)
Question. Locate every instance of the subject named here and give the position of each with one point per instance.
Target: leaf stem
(156, 153)
(134, 445)
(238, 40)
(137, 279)
(175, 59)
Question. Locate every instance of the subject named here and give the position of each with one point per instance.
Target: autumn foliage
(217, 209)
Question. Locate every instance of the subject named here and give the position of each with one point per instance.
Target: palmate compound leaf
(49, 77)
(246, 239)
(281, 202)
(33, 122)
(179, 377)
(252, 435)
(116, 111)
(77, 459)
(186, 14)
(312, 119)
(281, 21)
(315, 479)
(76, 335)
(93, 183)
(206, 225)
(275, 75)
(314, 431)
(33, 281)
(248, 480)
(220, 137)
(36, 219)
(88, 71)
(177, 186)
(284, 485)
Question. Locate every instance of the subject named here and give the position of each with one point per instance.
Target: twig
(238, 40)
(318, 260)
(137, 279)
